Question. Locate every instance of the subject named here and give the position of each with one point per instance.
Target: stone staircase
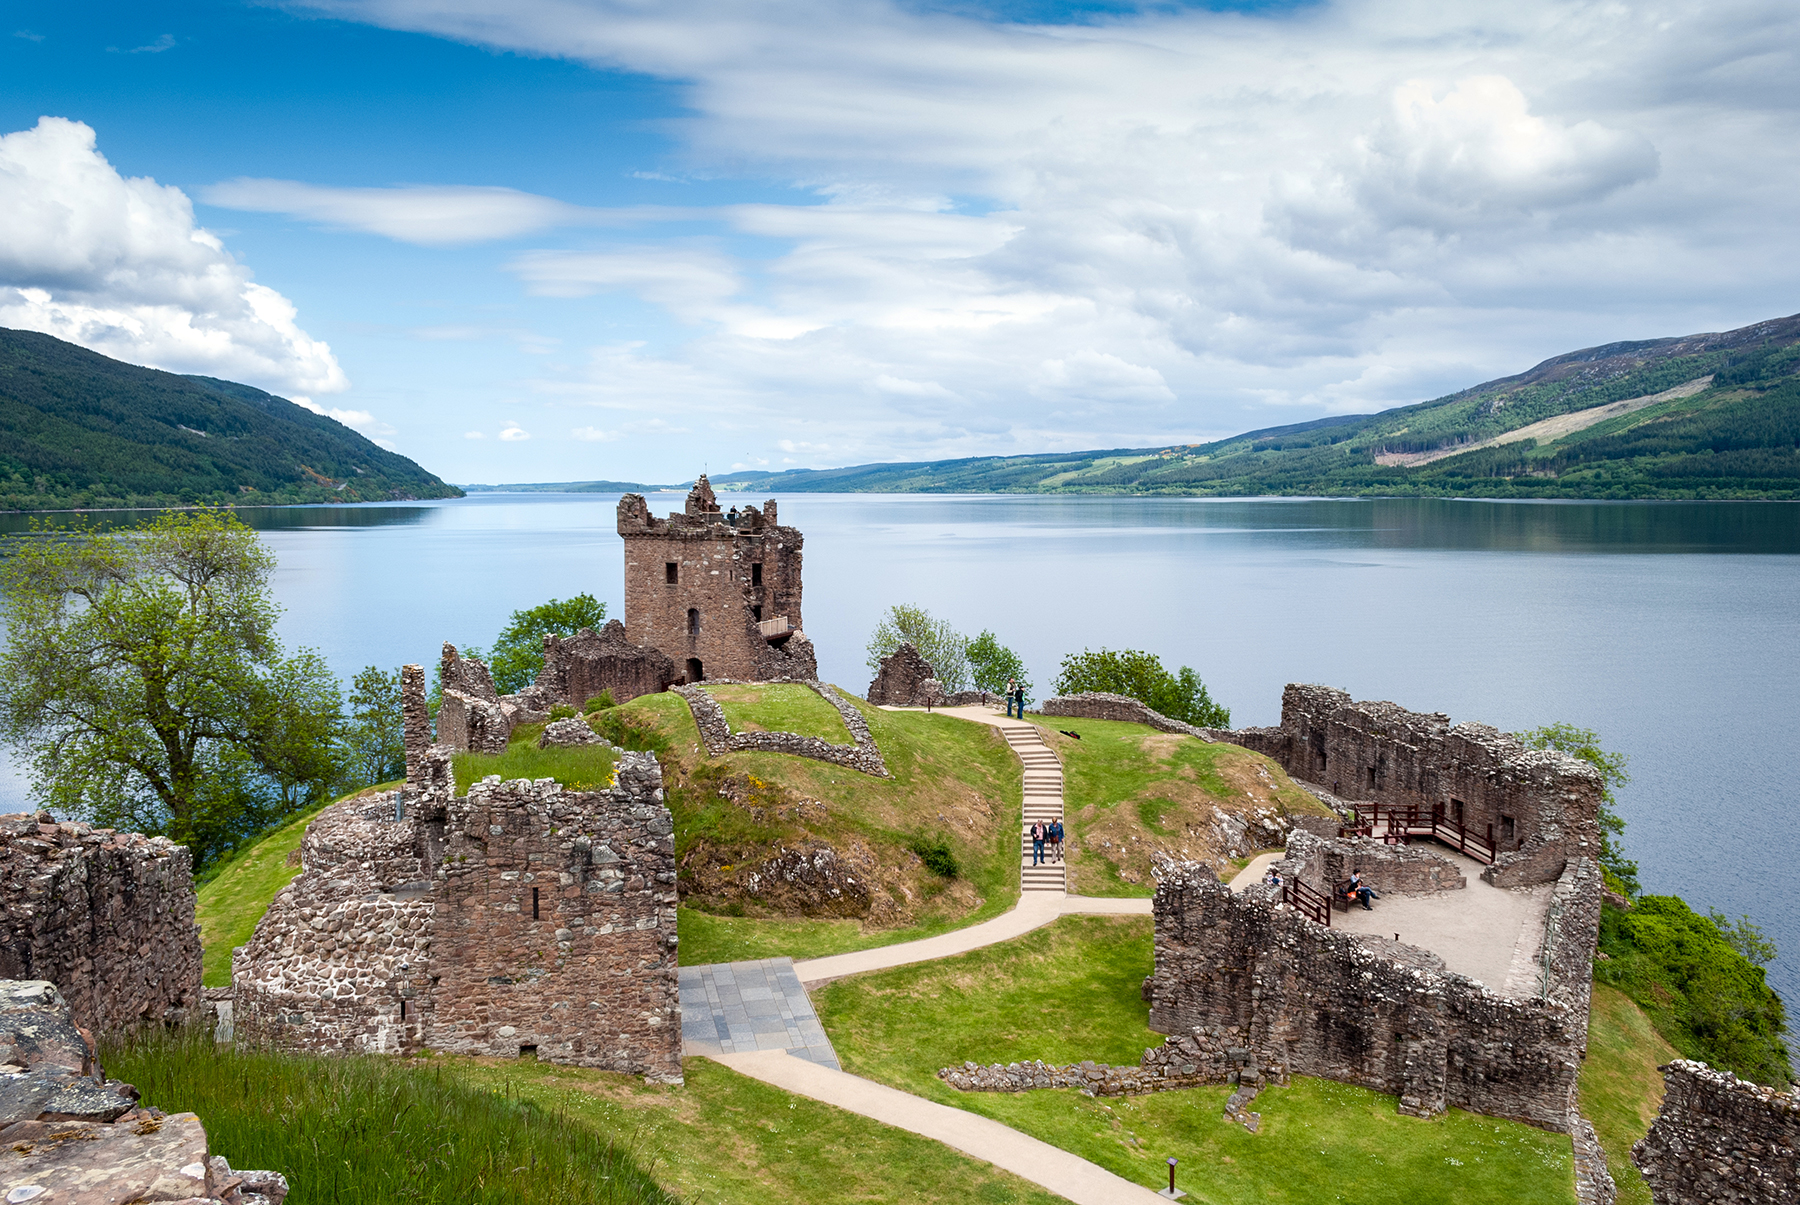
(1043, 801)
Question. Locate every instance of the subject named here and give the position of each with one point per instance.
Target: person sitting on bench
(1360, 891)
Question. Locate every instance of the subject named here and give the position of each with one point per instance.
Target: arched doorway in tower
(694, 671)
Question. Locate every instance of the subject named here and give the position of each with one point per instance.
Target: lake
(1671, 628)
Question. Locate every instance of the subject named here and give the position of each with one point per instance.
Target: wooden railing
(1309, 903)
(1397, 825)
(771, 628)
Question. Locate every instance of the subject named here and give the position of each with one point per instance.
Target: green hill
(80, 430)
(1705, 416)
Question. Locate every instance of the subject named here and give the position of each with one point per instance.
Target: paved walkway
(738, 1007)
(1064, 1174)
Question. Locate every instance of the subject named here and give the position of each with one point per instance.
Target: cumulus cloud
(513, 433)
(118, 265)
(1169, 223)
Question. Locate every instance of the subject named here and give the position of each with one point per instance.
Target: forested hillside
(1706, 416)
(80, 430)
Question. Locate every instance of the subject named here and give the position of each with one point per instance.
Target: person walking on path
(1011, 686)
(1038, 835)
(1056, 837)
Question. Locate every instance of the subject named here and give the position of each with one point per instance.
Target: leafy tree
(936, 640)
(1745, 936)
(518, 651)
(376, 739)
(1584, 743)
(993, 665)
(1141, 676)
(143, 677)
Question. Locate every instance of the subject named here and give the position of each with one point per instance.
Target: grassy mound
(781, 707)
(1070, 991)
(579, 768)
(1132, 792)
(380, 1130)
(1621, 1088)
(953, 782)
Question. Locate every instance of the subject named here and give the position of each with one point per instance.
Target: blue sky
(565, 239)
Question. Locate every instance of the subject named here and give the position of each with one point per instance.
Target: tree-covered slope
(1727, 426)
(80, 430)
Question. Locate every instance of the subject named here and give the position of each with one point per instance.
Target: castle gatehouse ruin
(717, 592)
(1529, 810)
(522, 918)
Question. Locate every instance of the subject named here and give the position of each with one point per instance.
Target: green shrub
(1141, 676)
(937, 855)
(1703, 995)
(599, 702)
(378, 1130)
(562, 711)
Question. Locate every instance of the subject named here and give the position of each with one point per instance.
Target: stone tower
(717, 592)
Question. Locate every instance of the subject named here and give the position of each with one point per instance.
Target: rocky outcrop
(579, 667)
(1718, 1139)
(1098, 705)
(901, 680)
(69, 1134)
(108, 915)
(565, 734)
(716, 733)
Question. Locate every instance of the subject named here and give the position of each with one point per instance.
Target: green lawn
(1130, 791)
(230, 903)
(950, 778)
(1070, 991)
(1621, 1088)
(781, 707)
(580, 767)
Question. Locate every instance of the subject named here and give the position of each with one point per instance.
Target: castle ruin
(717, 592)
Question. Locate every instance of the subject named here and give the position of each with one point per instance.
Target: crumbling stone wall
(579, 667)
(471, 716)
(107, 915)
(1213, 1055)
(716, 733)
(1099, 705)
(1718, 1138)
(1365, 1010)
(697, 584)
(1323, 862)
(520, 918)
(901, 679)
(1542, 807)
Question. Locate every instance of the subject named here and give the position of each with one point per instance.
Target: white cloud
(166, 42)
(595, 434)
(474, 435)
(118, 265)
(1172, 223)
(513, 433)
(429, 215)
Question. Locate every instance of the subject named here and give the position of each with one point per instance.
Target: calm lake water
(1672, 628)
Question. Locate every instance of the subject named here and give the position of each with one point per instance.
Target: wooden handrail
(1310, 903)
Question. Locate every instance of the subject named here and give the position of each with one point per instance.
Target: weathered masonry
(1719, 1138)
(519, 919)
(105, 915)
(1540, 808)
(1299, 998)
(718, 593)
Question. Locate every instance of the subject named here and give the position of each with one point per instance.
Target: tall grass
(578, 767)
(382, 1131)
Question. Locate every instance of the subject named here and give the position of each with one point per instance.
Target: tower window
(671, 572)
(756, 573)
(756, 611)
(693, 621)
(534, 903)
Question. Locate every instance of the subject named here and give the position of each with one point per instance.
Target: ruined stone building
(717, 592)
(520, 918)
(106, 916)
(1718, 1138)
(1541, 808)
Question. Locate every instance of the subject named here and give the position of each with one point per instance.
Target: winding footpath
(757, 1019)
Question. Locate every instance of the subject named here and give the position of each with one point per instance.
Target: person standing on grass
(1010, 687)
(1038, 835)
(1056, 837)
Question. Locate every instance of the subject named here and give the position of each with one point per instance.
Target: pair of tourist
(1360, 891)
(1015, 697)
(1046, 834)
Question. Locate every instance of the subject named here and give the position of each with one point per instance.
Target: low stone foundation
(1098, 705)
(107, 915)
(716, 733)
(1205, 1056)
(1718, 1139)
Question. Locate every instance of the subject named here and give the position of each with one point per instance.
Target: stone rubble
(71, 1136)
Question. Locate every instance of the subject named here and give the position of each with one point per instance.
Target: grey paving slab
(738, 1007)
